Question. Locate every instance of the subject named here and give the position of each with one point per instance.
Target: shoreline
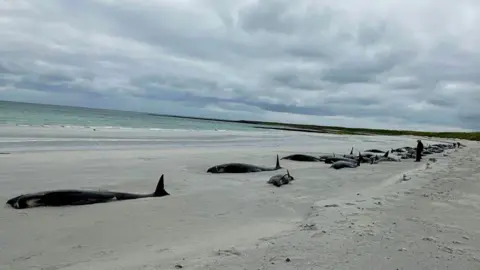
(470, 135)
(55, 138)
(230, 221)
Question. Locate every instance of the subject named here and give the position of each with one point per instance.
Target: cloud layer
(395, 64)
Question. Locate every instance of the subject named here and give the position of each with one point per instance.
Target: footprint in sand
(429, 238)
(318, 234)
(26, 257)
(391, 197)
(405, 178)
(309, 227)
(228, 252)
(102, 253)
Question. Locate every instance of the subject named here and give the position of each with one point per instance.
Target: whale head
(12, 201)
(25, 201)
(216, 169)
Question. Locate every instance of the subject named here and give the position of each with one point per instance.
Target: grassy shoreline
(473, 136)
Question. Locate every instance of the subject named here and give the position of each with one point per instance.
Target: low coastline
(475, 136)
(232, 221)
(41, 114)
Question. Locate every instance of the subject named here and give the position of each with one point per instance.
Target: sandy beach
(362, 218)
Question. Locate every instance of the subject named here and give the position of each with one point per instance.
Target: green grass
(474, 136)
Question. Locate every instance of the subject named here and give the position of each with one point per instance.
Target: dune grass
(474, 136)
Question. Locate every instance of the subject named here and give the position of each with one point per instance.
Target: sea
(30, 114)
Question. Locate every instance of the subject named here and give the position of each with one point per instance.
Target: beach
(362, 218)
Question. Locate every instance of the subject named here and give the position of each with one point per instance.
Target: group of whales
(346, 161)
(338, 161)
(71, 197)
(372, 155)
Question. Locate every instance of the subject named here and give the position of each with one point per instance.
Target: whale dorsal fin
(278, 164)
(160, 190)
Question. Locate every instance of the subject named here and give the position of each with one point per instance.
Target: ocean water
(27, 114)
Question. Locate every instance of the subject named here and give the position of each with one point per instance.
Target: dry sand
(363, 218)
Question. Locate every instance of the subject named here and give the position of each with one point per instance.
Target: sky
(393, 64)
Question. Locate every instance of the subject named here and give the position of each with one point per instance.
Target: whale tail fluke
(351, 151)
(160, 190)
(278, 164)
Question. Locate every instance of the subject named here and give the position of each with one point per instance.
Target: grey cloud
(268, 16)
(362, 71)
(297, 79)
(346, 58)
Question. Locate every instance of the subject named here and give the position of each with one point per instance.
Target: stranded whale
(347, 164)
(241, 168)
(79, 197)
(302, 157)
(375, 151)
(280, 179)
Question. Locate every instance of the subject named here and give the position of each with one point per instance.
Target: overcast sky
(388, 64)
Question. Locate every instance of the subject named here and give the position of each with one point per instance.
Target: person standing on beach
(418, 155)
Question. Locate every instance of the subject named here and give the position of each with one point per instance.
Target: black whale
(79, 197)
(242, 168)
